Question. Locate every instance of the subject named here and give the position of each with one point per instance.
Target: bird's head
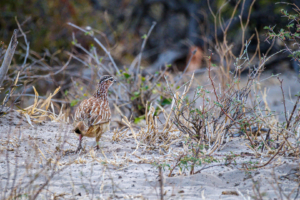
(106, 81)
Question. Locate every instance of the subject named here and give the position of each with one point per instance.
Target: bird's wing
(93, 112)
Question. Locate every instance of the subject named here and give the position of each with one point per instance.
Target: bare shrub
(225, 109)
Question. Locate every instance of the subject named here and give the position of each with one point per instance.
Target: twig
(297, 192)
(40, 97)
(203, 168)
(272, 156)
(51, 74)
(266, 140)
(26, 42)
(282, 92)
(212, 82)
(100, 44)
(187, 66)
(176, 164)
(142, 49)
(244, 28)
(295, 106)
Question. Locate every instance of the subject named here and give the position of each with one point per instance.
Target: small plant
(188, 161)
(143, 89)
(289, 35)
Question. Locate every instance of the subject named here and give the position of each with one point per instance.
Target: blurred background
(181, 25)
(121, 25)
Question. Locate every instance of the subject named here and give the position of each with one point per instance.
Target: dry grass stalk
(154, 135)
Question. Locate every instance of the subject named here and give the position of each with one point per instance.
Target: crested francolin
(92, 116)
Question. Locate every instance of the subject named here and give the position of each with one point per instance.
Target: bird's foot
(79, 145)
(96, 148)
(78, 149)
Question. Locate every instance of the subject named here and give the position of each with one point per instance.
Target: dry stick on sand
(8, 56)
(161, 184)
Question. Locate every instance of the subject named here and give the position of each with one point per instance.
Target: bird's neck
(101, 92)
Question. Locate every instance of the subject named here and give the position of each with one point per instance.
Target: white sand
(129, 176)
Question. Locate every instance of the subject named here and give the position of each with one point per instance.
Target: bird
(92, 116)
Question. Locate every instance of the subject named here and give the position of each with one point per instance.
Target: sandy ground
(115, 172)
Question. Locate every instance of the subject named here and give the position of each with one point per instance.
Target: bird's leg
(97, 141)
(79, 145)
(97, 147)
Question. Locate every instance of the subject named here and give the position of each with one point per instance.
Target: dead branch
(8, 56)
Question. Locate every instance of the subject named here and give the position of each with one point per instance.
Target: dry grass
(40, 110)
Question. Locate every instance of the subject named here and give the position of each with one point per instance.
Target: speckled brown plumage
(92, 116)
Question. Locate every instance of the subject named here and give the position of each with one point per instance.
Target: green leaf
(144, 36)
(136, 94)
(140, 107)
(138, 119)
(166, 101)
(266, 27)
(146, 87)
(218, 104)
(133, 98)
(127, 76)
(287, 35)
(169, 65)
(74, 102)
